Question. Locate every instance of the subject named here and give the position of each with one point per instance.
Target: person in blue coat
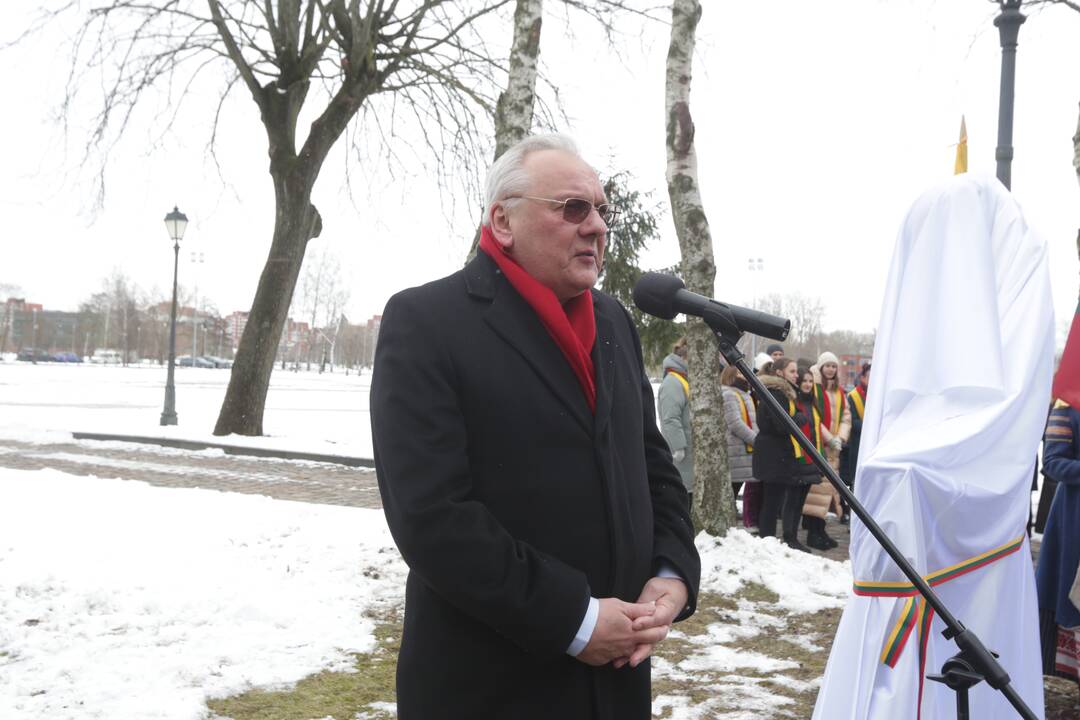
(1059, 556)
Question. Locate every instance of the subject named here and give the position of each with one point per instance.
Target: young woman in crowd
(774, 454)
(741, 420)
(816, 495)
(832, 406)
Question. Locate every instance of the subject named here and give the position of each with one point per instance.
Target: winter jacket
(774, 454)
(740, 435)
(673, 404)
(807, 473)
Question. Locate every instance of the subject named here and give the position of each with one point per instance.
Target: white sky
(817, 126)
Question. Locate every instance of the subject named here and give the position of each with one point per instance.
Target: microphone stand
(974, 662)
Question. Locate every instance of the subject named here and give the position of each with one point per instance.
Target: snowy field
(123, 600)
(305, 411)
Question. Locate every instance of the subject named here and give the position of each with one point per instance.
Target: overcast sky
(817, 126)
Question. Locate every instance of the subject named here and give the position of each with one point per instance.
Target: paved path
(305, 481)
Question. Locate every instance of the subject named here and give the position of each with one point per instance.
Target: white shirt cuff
(584, 633)
(667, 570)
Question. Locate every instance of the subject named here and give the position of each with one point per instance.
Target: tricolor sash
(858, 399)
(916, 613)
(814, 434)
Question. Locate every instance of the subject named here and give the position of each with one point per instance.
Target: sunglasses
(575, 210)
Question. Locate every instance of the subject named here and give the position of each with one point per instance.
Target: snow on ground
(305, 411)
(738, 677)
(121, 600)
(805, 582)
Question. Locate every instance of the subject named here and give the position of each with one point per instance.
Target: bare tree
(714, 508)
(321, 296)
(514, 109)
(807, 315)
(425, 57)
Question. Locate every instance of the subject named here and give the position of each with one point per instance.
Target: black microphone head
(655, 293)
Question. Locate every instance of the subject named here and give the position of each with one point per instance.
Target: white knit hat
(827, 357)
(761, 360)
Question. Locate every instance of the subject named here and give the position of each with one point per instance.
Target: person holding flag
(946, 461)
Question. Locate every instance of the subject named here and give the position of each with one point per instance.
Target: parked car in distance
(219, 362)
(106, 357)
(66, 357)
(36, 356)
(188, 361)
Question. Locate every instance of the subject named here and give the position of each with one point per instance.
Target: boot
(816, 537)
(794, 544)
(817, 540)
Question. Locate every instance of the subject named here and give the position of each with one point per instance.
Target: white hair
(507, 175)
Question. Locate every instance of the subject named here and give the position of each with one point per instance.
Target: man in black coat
(521, 470)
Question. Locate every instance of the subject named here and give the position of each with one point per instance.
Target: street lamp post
(1008, 24)
(175, 223)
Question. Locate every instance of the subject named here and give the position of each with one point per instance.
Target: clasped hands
(626, 633)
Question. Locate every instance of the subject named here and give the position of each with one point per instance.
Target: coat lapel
(516, 322)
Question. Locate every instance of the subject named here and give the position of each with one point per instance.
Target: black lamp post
(1008, 24)
(175, 223)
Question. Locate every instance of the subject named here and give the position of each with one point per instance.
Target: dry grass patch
(337, 695)
(765, 660)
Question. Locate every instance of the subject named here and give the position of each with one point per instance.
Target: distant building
(850, 367)
(235, 323)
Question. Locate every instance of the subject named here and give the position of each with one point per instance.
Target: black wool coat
(774, 455)
(512, 503)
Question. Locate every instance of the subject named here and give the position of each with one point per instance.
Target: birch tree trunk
(1076, 151)
(514, 110)
(713, 507)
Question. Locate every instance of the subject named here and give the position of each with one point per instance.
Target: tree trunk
(713, 508)
(296, 222)
(1076, 151)
(514, 110)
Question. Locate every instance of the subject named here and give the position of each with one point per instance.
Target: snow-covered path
(317, 482)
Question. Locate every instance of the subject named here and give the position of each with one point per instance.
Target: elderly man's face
(777, 354)
(564, 256)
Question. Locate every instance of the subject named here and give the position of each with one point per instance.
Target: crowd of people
(778, 482)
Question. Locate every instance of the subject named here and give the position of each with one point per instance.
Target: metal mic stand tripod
(974, 662)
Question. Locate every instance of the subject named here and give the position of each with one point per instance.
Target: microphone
(665, 296)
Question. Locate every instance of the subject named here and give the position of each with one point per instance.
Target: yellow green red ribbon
(916, 613)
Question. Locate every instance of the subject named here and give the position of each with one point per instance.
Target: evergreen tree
(636, 228)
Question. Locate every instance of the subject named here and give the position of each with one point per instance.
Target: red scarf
(830, 406)
(572, 327)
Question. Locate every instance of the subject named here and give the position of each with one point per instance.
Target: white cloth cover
(954, 416)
